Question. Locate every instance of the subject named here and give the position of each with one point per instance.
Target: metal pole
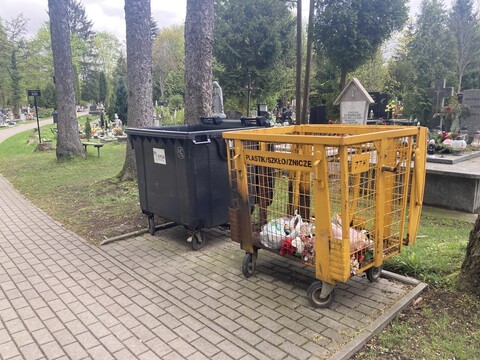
(38, 123)
(249, 90)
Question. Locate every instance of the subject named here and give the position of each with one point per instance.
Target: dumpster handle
(222, 149)
(390, 169)
(208, 141)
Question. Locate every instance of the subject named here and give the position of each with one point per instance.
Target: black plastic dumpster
(183, 174)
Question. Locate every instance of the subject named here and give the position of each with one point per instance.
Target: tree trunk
(469, 279)
(460, 76)
(198, 59)
(298, 90)
(343, 80)
(308, 62)
(139, 75)
(15, 79)
(68, 141)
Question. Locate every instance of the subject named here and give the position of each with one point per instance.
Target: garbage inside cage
(296, 237)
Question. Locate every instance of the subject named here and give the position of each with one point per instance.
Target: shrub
(44, 112)
(88, 129)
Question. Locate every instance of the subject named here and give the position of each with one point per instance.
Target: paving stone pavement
(152, 297)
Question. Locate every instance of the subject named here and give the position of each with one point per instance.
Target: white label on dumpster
(159, 156)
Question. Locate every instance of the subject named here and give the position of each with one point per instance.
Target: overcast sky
(108, 15)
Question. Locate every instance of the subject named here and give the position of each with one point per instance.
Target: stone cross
(438, 94)
(249, 89)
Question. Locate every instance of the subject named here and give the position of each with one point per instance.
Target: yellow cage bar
(338, 198)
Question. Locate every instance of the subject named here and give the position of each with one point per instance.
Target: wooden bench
(97, 145)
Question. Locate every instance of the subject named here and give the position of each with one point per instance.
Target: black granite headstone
(378, 108)
(318, 115)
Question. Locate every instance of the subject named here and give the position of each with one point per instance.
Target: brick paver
(154, 298)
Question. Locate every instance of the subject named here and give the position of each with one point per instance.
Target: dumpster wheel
(249, 264)
(373, 273)
(151, 224)
(198, 241)
(313, 294)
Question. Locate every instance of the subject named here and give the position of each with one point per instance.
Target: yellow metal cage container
(338, 198)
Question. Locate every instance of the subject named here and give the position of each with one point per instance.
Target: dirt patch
(103, 210)
(46, 146)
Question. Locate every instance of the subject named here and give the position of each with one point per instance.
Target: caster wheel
(249, 264)
(313, 295)
(151, 225)
(198, 241)
(374, 273)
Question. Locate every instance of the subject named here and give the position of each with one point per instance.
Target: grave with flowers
(450, 139)
(453, 161)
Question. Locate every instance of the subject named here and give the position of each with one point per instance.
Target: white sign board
(353, 112)
(159, 156)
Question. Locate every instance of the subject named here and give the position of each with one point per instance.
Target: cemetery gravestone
(379, 105)
(438, 94)
(354, 101)
(262, 110)
(234, 114)
(471, 99)
(318, 115)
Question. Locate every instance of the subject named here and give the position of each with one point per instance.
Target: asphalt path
(13, 130)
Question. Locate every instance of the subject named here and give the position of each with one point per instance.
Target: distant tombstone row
(96, 110)
(469, 98)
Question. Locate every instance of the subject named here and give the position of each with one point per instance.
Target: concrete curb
(136, 233)
(123, 236)
(379, 324)
(404, 279)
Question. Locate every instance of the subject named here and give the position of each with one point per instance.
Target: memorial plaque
(354, 101)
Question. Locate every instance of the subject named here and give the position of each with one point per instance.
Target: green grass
(83, 193)
(437, 254)
(446, 324)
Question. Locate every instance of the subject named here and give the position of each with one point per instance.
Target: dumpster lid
(180, 132)
(210, 128)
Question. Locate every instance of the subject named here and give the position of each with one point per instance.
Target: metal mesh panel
(367, 184)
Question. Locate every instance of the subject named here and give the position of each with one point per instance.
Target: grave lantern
(476, 141)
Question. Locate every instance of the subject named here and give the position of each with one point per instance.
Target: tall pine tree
(255, 38)
(466, 30)
(350, 31)
(81, 27)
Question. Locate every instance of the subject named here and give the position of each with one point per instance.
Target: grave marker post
(36, 93)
